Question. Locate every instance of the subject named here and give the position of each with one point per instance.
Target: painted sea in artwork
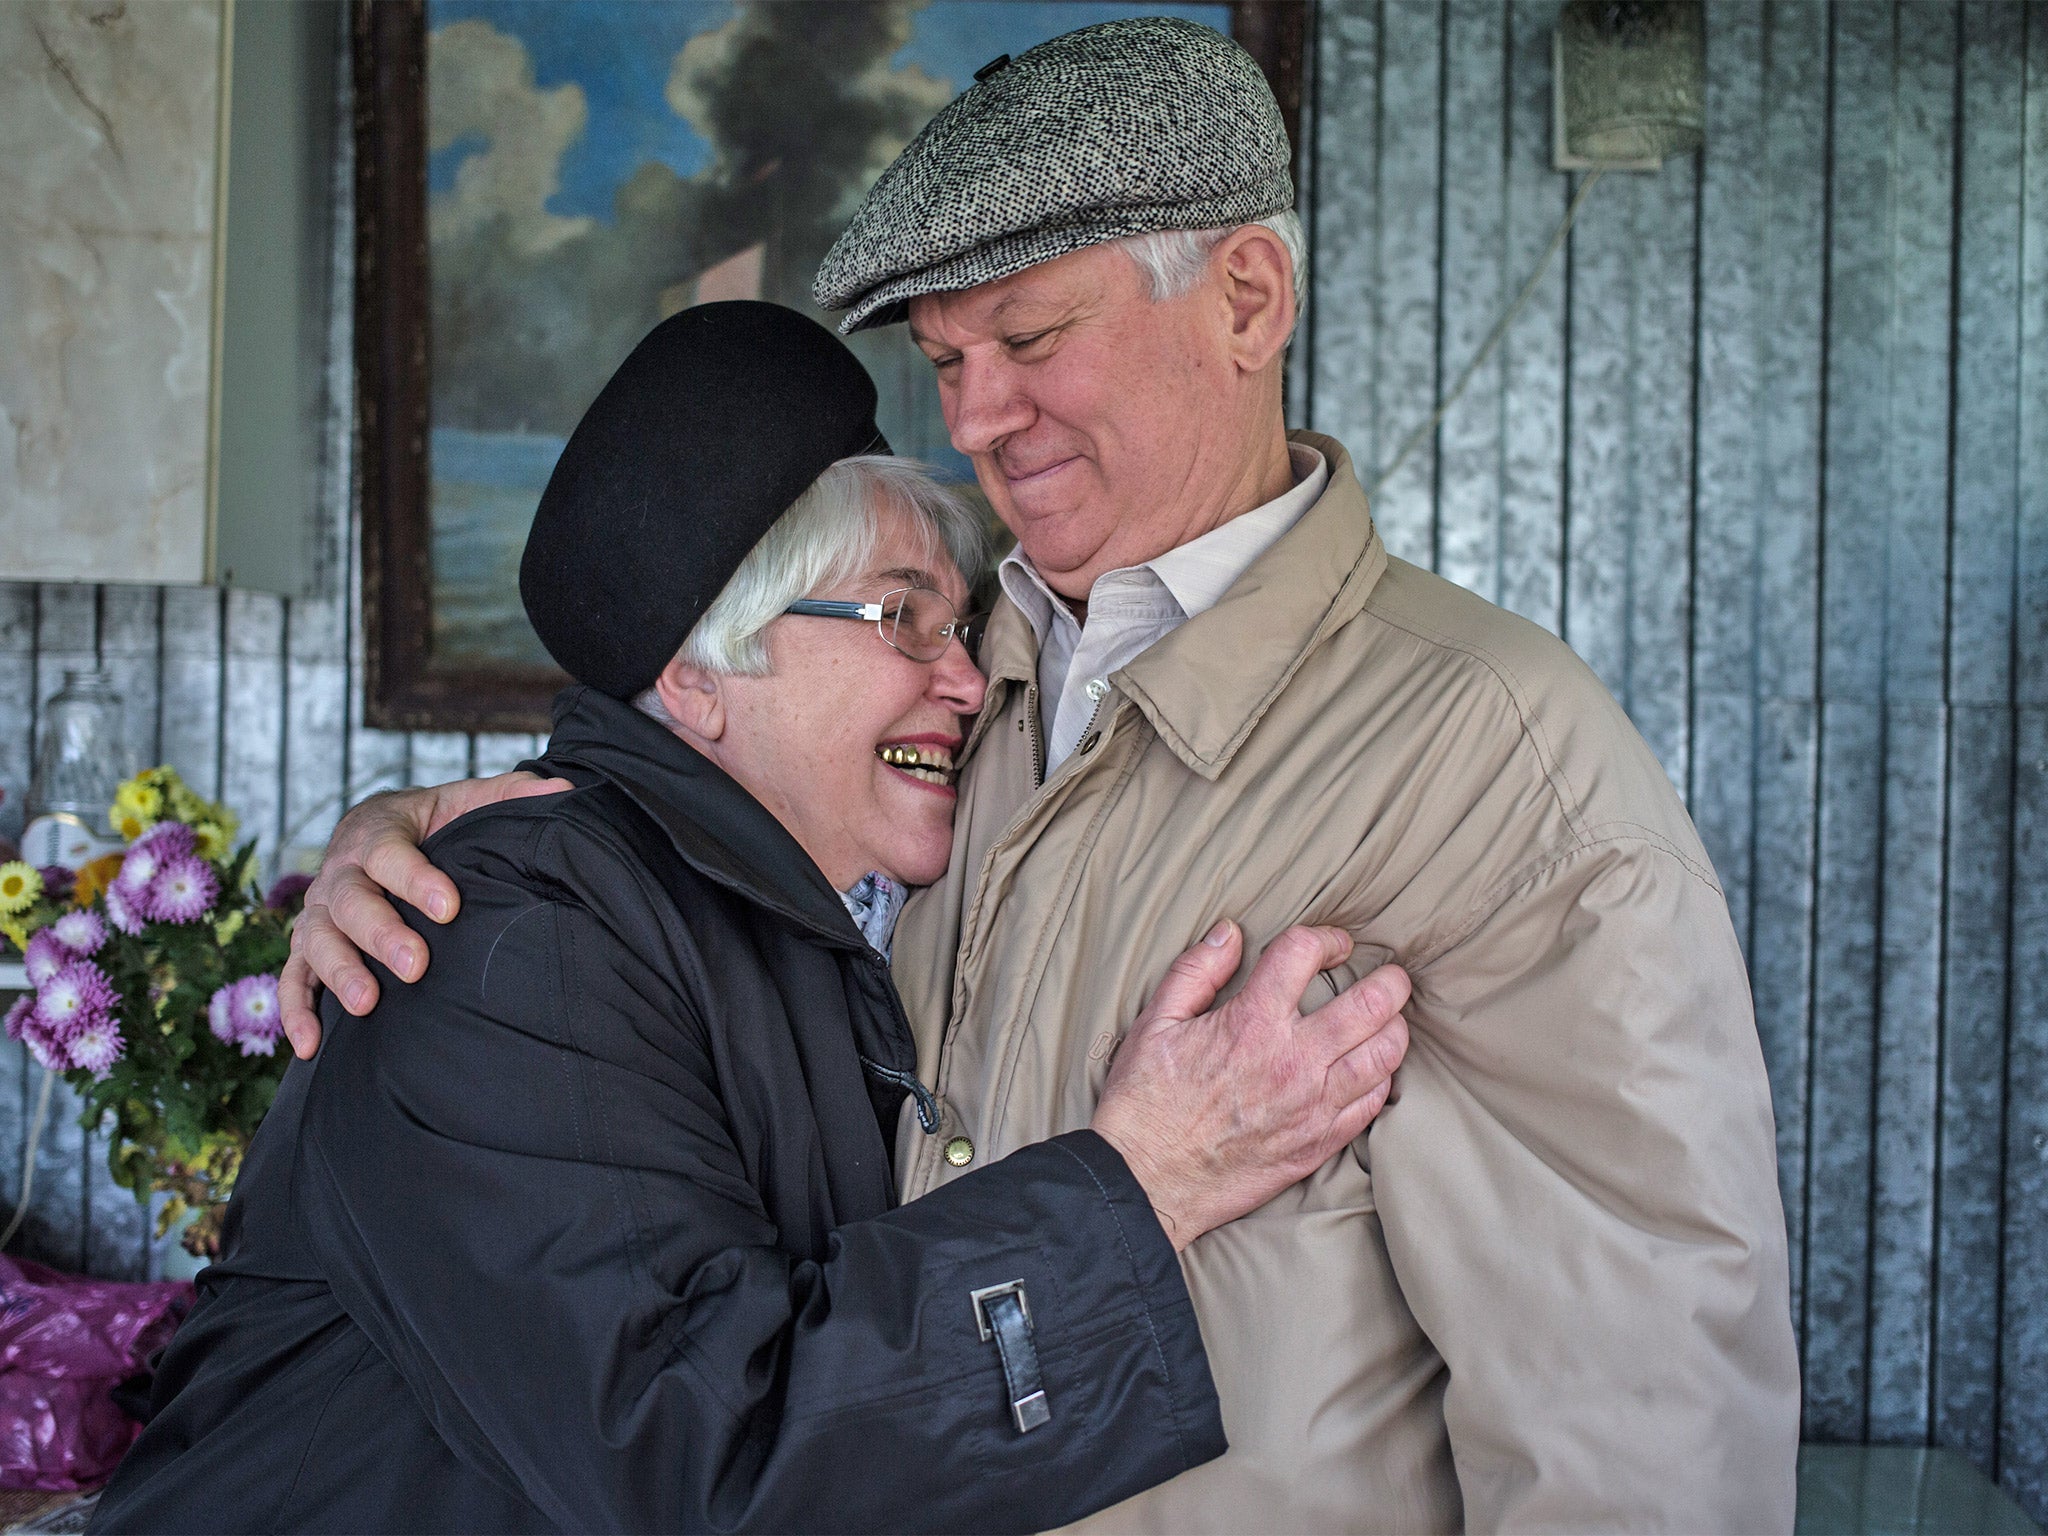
(596, 165)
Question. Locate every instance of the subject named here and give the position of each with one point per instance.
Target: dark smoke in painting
(801, 109)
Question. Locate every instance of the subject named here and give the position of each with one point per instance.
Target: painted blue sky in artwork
(954, 38)
(620, 51)
(620, 54)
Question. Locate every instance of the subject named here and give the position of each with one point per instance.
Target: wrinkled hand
(1217, 1112)
(376, 849)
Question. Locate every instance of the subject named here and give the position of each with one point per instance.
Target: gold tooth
(910, 757)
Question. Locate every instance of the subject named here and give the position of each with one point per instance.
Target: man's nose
(985, 405)
(957, 682)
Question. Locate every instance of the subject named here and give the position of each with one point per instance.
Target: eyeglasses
(917, 621)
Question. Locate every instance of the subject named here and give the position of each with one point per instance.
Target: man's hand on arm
(376, 849)
(1217, 1112)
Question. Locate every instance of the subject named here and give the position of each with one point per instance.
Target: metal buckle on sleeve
(1003, 1313)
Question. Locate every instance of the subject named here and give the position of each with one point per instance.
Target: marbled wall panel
(109, 122)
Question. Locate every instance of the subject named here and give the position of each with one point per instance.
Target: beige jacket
(1548, 1289)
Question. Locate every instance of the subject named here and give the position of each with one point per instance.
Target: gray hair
(828, 534)
(1174, 259)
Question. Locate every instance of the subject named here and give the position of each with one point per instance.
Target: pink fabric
(65, 1343)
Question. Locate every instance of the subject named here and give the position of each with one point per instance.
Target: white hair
(828, 534)
(1174, 259)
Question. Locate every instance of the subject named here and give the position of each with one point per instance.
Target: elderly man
(1548, 1289)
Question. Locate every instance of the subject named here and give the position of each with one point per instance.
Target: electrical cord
(28, 1158)
(1416, 438)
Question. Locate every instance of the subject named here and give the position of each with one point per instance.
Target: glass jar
(80, 762)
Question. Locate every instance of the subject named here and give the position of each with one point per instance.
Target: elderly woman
(594, 1227)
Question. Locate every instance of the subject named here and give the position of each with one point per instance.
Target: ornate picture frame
(416, 680)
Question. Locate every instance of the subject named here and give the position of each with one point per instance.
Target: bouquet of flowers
(155, 976)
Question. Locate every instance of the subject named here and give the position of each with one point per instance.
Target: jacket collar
(717, 828)
(1208, 683)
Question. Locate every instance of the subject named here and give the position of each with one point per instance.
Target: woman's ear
(693, 700)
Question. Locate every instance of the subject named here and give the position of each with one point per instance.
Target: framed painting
(540, 181)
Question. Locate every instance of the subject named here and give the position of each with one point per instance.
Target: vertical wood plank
(67, 637)
(1602, 253)
(1530, 542)
(189, 721)
(1786, 762)
(253, 706)
(1838, 1196)
(131, 620)
(437, 757)
(1476, 288)
(17, 729)
(316, 727)
(1915, 511)
(17, 699)
(1838, 1174)
(1628, 582)
(1735, 210)
(1346, 211)
(2023, 1301)
(1983, 531)
(131, 624)
(1406, 379)
(2023, 1315)
(501, 752)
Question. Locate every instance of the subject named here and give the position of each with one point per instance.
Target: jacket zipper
(1037, 736)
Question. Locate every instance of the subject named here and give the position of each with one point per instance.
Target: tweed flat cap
(1118, 129)
(714, 424)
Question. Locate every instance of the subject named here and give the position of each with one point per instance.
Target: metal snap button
(959, 1151)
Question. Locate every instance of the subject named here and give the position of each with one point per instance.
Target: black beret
(719, 419)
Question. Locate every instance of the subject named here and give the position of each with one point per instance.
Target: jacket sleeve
(560, 1250)
(1578, 1188)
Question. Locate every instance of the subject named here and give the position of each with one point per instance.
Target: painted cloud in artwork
(595, 166)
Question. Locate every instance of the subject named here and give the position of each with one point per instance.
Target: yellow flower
(225, 930)
(126, 824)
(185, 805)
(20, 885)
(95, 878)
(212, 840)
(16, 931)
(140, 796)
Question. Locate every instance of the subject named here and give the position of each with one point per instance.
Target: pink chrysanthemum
(74, 998)
(167, 840)
(97, 1047)
(139, 868)
(253, 1014)
(288, 889)
(220, 1017)
(80, 932)
(182, 892)
(45, 956)
(25, 1025)
(121, 909)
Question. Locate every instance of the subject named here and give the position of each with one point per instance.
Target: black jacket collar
(720, 830)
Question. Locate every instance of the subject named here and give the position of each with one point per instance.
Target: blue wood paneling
(1766, 445)
(1761, 451)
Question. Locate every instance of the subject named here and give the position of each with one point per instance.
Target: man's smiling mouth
(929, 764)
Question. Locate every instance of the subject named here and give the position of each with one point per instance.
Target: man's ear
(693, 699)
(1258, 282)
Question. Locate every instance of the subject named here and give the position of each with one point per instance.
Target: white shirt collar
(1197, 573)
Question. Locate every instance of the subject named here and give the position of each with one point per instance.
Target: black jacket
(594, 1228)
